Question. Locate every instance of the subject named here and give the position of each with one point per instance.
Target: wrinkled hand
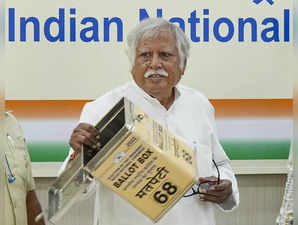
(86, 134)
(217, 193)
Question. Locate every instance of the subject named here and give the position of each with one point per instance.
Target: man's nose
(155, 62)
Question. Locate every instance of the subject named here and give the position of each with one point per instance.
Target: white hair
(151, 27)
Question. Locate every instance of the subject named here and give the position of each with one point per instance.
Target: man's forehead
(164, 40)
(155, 35)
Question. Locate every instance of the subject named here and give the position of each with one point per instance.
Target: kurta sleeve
(224, 166)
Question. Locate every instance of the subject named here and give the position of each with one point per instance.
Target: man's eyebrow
(169, 50)
(142, 50)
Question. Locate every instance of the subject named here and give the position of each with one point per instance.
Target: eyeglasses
(197, 188)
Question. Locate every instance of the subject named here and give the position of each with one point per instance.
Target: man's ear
(132, 71)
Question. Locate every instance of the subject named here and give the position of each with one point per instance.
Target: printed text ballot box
(138, 159)
(143, 162)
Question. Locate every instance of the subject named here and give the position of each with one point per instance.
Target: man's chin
(156, 92)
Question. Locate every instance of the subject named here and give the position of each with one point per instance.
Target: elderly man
(158, 52)
(21, 203)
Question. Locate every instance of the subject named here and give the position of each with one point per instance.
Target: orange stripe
(46, 108)
(253, 107)
(223, 108)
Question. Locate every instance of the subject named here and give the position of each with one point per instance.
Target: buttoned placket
(162, 111)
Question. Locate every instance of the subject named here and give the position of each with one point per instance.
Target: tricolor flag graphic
(248, 129)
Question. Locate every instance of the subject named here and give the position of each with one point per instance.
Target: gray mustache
(152, 72)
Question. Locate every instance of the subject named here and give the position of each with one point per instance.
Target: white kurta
(191, 117)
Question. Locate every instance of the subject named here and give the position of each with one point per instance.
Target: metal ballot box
(138, 159)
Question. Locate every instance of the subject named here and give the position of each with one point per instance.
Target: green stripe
(235, 149)
(250, 150)
(48, 152)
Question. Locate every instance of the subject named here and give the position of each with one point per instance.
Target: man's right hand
(85, 134)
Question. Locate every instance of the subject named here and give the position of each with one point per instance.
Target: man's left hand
(217, 193)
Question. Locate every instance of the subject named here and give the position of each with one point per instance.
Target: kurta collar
(152, 99)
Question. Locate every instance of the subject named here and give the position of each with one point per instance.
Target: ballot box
(138, 159)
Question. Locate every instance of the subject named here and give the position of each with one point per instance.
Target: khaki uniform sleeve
(19, 161)
(21, 153)
(30, 180)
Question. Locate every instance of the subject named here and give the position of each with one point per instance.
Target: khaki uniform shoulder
(11, 125)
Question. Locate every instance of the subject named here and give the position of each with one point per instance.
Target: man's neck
(167, 101)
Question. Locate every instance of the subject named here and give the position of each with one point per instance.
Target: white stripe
(255, 128)
(48, 130)
(240, 128)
